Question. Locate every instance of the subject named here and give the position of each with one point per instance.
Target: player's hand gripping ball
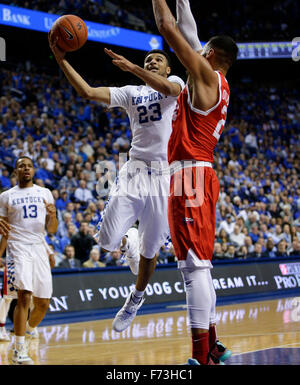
(70, 31)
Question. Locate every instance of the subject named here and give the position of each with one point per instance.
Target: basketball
(71, 31)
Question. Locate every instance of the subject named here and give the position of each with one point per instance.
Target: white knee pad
(200, 297)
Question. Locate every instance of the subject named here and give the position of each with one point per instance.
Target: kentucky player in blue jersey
(142, 187)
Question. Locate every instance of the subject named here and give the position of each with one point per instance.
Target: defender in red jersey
(197, 125)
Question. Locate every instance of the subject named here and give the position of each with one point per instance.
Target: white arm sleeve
(186, 24)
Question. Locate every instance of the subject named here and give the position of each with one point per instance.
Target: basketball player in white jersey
(29, 209)
(141, 190)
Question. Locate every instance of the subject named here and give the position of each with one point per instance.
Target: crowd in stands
(257, 163)
(242, 19)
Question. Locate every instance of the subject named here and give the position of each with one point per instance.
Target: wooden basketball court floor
(258, 333)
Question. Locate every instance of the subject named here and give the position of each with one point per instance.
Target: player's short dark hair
(225, 47)
(22, 157)
(164, 53)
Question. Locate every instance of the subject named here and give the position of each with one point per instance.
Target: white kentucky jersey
(26, 213)
(150, 114)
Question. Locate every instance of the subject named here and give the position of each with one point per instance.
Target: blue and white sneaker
(21, 357)
(127, 314)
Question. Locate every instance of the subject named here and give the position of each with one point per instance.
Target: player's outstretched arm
(101, 94)
(197, 65)
(187, 25)
(158, 82)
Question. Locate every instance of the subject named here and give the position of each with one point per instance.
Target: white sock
(19, 342)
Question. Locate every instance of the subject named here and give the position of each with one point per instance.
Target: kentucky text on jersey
(19, 201)
(147, 98)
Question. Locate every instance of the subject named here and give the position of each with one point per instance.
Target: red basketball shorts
(194, 192)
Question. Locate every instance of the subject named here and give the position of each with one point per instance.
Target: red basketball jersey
(195, 133)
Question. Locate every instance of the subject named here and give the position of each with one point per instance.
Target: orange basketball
(71, 31)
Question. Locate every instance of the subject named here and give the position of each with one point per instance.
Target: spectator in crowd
(218, 252)
(93, 260)
(286, 234)
(249, 244)
(62, 200)
(254, 233)
(47, 162)
(62, 230)
(270, 251)
(69, 261)
(53, 240)
(70, 208)
(222, 236)
(82, 242)
(237, 238)
(281, 249)
(114, 258)
(257, 253)
(5, 182)
(82, 194)
(277, 235)
(294, 249)
(230, 253)
(251, 142)
(68, 183)
(227, 224)
(242, 252)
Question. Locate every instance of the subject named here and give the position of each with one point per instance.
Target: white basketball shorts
(140, 193)
(28, 268)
